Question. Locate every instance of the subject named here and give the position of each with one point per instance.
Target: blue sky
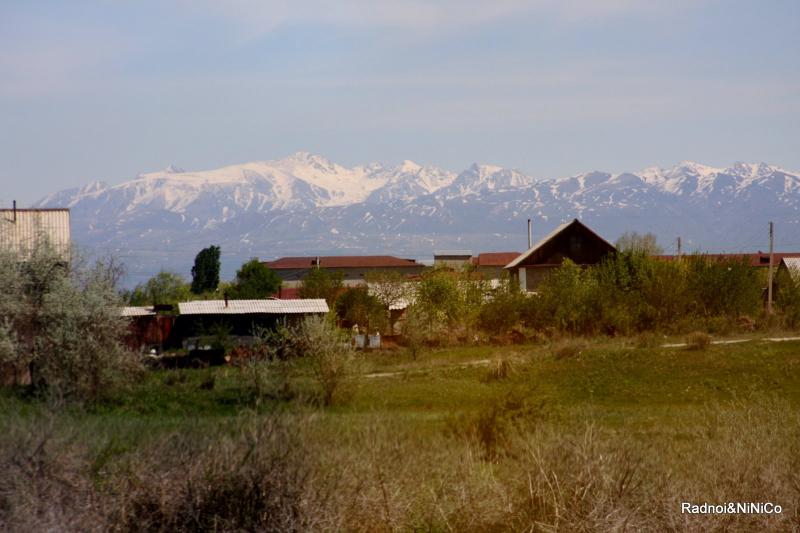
(109, 89)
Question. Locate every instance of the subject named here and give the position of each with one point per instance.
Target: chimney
(529, 235)
(226, 299)
(14, 203)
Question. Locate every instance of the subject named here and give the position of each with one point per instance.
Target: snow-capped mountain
(306, 205)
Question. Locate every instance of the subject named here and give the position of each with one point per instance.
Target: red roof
(500, 259)
(756, 259)
(341, 261)
(287, 293)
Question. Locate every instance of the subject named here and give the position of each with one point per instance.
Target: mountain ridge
(305, 204)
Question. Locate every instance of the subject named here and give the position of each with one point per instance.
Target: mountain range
(305, 204)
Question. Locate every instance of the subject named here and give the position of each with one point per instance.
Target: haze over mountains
(307, 205)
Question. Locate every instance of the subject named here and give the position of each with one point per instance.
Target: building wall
(32, 225)
(293, 277)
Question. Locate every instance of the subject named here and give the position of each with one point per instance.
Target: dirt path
(484, 362)
(735, 341)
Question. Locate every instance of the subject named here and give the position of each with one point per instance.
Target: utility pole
(679, 246)
(769, 282)
(529, 235)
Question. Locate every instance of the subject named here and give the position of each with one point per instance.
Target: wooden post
(769, 282)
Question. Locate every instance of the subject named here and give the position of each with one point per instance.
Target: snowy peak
(482, 178)
(408, 181)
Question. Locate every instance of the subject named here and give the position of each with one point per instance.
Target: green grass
(436, 428)
(609, 377)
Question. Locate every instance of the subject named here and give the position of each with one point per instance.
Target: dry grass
(567, 348)
(281, 473)
(698, 340)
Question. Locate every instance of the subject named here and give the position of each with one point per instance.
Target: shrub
(501, 368)
(357, 306)
(566, 349)
(698, 340)
(254, 280)
(647, 339)
(332, 357)
(62, 325)
(322, 283)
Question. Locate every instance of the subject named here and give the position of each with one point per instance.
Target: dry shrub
(253, 476)
(500, 369)
(647, 340)
(334, 362)
(44, 481)
(285, 473)
(566, 349)
(698, 340)
(253, 479)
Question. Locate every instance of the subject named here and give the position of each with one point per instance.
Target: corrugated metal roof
(307, 305)
(137, 311)
(342, 261)
(21, 229)
(245, 307)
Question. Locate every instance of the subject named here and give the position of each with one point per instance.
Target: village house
(455, 259)
(240, 318)
(21, 230)
(160, 328)
(573, 240)
(791, 265)
(491, 265)
(756, 259)
(292, 270)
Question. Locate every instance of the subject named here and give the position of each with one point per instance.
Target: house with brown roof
(491, 264)
(574, 241)
(21, 230)
(756, 259)
(292, 270)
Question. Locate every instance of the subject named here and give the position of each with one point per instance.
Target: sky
(107, 90)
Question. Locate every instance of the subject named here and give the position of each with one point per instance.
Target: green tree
(205, 272)
(333, 361)
(254, 280)
(61, 325)
(322, 283)
(439, 298)
(356, 305)
(163, 288)
(632, 241)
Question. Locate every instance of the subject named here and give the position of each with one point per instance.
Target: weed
(698, 340)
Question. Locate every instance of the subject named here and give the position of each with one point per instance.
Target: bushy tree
(61, 326)
(332, 357)
(503, 310)
(205, 272)
(357, 306)
(439, 298)
(723, 287)
(391, 288)
(163, 288)
(254, 280)
(568, 300)
(322, 283)
(632, 241)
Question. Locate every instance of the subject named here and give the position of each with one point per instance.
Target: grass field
(607, 437)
